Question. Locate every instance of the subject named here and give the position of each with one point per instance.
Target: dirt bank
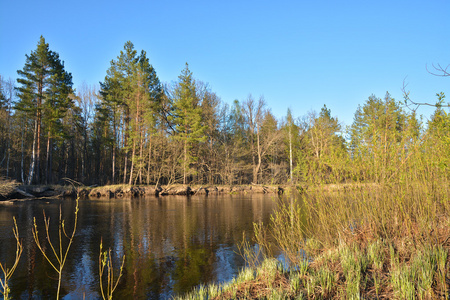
(12, 190)
(120, 191)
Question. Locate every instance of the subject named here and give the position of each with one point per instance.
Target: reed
(8, 272)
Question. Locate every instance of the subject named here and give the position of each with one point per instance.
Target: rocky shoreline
(13, 191)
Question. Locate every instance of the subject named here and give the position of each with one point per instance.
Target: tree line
(134, 129)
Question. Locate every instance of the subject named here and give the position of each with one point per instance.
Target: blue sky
(297, 54)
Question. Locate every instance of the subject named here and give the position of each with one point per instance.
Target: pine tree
(131, 96)
(291, 132)
(58, 102)
(437, 146)
(144, 109)
(43, 95)
(2, 93)
(376, 135)
(187, 117)
(326, 149)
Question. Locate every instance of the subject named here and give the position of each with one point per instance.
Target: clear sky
(297, 54)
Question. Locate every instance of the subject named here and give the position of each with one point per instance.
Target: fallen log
(23, 193)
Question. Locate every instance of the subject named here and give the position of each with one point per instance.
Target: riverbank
(373, 242)
(12, 190)
(376, 269)
(121, 191)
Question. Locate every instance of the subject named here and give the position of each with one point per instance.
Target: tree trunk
(290, 152)
(114, 149)
(149, 159)
(258, 165)
(184, 161)
(8, 143)
(141, 150)
(48, 160)
(33, 155)
(24, 128)
(132, 162)
(38, 123)
(125, 125)
(38, 147)
(85, 153)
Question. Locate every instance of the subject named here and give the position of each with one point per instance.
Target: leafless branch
(413, 105)
(439, 70)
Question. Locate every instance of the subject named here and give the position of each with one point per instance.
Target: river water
(171, 244)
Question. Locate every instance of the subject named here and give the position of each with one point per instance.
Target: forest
(134, 129)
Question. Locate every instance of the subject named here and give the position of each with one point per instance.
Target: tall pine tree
(131, 96)
(187, 118)
(43, 95)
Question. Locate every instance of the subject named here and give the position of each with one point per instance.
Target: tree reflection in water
(171, 244)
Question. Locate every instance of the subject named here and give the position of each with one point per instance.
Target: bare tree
(262, 131)
(86, 99)
(437, 70)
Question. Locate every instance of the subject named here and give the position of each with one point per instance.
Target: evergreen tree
(324, 156)
(130, 105)
(376, 138)
(2, 93)
(43, 95)
(144, 108)
(59, 99)
(187, 118)
(210, 163)
(437, 145)
(6, 98)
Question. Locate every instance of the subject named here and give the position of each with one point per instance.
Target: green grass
(368, 242)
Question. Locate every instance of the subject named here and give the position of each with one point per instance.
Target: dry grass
(7, 187)
(363, 241)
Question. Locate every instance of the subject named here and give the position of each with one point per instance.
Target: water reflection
(171, 244)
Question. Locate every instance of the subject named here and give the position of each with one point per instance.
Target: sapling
(8, 272)
(59, 253)
(105, 261)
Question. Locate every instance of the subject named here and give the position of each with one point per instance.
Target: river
(171, 244)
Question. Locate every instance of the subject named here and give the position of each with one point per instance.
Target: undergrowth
(377, 242)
